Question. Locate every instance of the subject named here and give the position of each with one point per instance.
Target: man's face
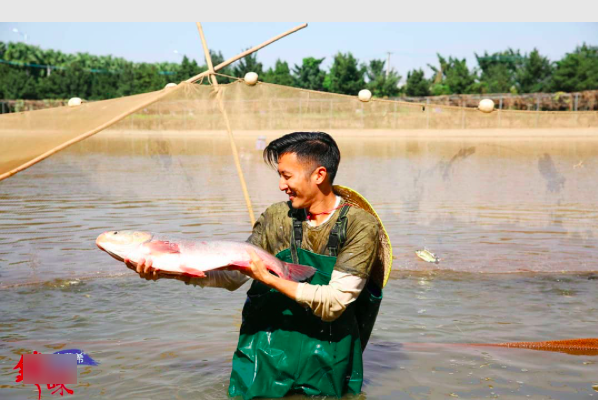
(299, 180)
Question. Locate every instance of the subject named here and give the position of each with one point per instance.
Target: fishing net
(29, 136)
(162, 162)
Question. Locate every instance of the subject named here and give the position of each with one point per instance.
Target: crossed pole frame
(211, 73)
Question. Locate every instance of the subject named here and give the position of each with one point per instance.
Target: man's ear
(320, 174)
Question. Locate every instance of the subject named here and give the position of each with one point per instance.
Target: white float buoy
(251, 78)
(169, 85)
(75, 101)
(364, 95)
(486, 106)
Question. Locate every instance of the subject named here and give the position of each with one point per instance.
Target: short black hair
(312, 147)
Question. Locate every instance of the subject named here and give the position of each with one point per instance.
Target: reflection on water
(482, 205)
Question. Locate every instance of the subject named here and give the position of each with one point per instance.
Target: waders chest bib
(284, 348)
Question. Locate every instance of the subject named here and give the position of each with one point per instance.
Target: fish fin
(192, 271)
(299, 272)
(163, 247)
(242, 264)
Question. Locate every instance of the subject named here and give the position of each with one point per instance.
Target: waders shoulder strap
(296, 238)
(338, 235)
(296, 232)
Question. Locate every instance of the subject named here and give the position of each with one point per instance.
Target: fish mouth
(115, 256)
(107, 251)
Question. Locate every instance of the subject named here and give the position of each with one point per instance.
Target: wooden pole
(207, 55)
(245, 53)
(145, 104)
(227, 122)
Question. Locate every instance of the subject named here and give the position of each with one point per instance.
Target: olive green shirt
(272, 232)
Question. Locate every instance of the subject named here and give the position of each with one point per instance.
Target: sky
(413, 45)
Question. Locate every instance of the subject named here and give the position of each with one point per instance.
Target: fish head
(119, 243)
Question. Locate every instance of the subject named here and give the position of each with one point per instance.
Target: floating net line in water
(29, 137)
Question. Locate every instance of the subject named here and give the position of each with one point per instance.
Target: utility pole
(388, 64)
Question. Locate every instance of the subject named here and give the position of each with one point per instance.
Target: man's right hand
(146, 271)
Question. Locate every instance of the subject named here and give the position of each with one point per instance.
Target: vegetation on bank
(29, 72)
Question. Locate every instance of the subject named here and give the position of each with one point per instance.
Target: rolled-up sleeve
(351, 271)
(329, 301)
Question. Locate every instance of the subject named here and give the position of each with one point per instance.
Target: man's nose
(282, 184)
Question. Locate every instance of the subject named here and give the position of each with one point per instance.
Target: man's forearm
(330, 301)
(326, 301)
(288, 288)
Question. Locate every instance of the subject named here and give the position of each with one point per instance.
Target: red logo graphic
(48, 369)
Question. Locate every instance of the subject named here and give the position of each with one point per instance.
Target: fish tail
(299, 272)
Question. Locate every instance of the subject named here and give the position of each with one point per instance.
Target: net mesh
(30, 136)
(162, 162)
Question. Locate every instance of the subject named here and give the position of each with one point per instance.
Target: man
(306, 337)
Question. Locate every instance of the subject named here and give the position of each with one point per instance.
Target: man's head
(307, 164)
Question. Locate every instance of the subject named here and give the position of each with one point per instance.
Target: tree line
(29, 72)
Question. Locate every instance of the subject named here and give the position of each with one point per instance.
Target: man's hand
(146, 271)
(258, 270)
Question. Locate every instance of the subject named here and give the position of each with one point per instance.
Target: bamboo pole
(83, 136)
(236, 157)
(207, 55)
(227, 122)
(245, 53)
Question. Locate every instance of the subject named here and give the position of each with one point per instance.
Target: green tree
(280, 74)
(345, 76)
(16, 84)
(534, 74)
(379, 83)
(454, 75)
(72, 81)
(126, 80)
(187, 69)
(55, 58)
(417, 84)
(498, 71)
(103, 86)
(248, 64)
(577, 71)
(147, 78)
(309, 75)
(25, 54)
(496, 78)
(168, 71)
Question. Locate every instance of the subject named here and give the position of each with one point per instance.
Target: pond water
(514, 222)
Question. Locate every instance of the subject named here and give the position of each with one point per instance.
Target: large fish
(194, 258)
